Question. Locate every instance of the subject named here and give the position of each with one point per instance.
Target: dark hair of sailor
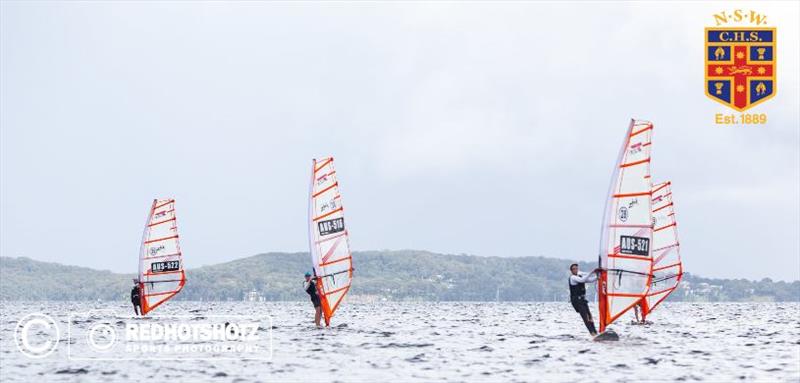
(574, 264)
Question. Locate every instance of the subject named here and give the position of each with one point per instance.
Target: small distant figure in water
(577, 294)
(136, 297)
(638, 311)
(310, 286)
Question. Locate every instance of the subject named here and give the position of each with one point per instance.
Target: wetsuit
(136, 299)
(311, 289)
(577, 295)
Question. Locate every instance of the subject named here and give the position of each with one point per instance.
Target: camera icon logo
(101, 337)
(36, 335)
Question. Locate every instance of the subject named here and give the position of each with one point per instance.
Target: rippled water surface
(453, 342)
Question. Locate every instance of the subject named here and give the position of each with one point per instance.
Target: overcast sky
(478, 128)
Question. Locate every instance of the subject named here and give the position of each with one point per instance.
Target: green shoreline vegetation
(380, 275)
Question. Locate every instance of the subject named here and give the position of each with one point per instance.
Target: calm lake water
(444, 342)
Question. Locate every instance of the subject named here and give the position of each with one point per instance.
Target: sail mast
(141, 246)
(311, 248)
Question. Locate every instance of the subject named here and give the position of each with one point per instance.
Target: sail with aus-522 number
(161, 273)
(329, 239)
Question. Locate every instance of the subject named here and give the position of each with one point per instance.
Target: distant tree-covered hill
(392, 275)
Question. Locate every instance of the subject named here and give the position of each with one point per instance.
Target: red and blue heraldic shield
(740, 66)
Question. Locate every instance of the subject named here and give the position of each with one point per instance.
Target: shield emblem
(740, 66)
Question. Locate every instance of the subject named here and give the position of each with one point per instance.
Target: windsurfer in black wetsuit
(577, 295)
(136, 297)
(310, 286)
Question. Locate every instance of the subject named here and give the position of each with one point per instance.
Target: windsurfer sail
(667, 267)
(627, 228)
(161, 273)
(328, 237)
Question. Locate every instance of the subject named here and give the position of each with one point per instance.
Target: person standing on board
(638, 312)
(310, 286)
(136, 297)
(577, 294)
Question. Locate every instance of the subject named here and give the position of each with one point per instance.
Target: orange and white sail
(667, 267)
(328, 237)
(161, 273)
(627, 228)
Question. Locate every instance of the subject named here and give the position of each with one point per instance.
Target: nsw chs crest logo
(740, 65)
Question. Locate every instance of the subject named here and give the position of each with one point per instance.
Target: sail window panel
(634, 180)
(161, 248)
(327, 203)
(638, 148)
(161, 230)
(337, 268)
(324, 178)
(633, 210)
(618, 305)
(624, 282)
(162, 214)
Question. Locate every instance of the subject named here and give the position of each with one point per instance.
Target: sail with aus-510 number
(328, 237)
